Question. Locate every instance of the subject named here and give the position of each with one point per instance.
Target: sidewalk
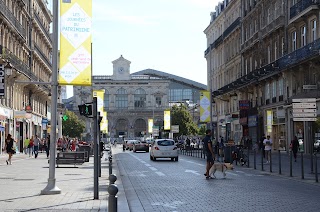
(22, 182)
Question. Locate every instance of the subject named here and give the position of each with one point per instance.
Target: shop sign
(244, 104)
(28, 109)
(243, 120)
(252, 121)
(2, 81)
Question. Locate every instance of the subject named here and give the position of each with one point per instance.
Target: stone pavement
(21, 183)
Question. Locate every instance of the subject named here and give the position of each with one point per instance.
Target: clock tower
(121, 69)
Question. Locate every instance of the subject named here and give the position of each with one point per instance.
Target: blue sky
(165, 35)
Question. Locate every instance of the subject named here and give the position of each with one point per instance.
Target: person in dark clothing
(209, 152)
(295, 147)
(261, 145)
(9, 147)
(47, 146)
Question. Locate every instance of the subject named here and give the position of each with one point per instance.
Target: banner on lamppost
(75, 42)
(104, 122)
(150, 125)
(100, 95)
(167, 120)
(205, 106)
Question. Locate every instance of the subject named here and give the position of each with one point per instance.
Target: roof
(155, 73)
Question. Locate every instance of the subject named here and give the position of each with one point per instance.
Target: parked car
(164, 148)
(316, 146)
(141, 146)
(129, 144)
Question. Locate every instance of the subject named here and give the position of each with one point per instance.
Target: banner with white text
(167, 120)
(204, 106)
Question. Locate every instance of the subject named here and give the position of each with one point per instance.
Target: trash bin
(228, 150)
(87, 149)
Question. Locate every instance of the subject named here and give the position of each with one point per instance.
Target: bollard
(311, 160)
(201, 153)
(262, 160)
(113, 199)
(316, 166)
(302, 168)
(191, 151)
(112, 178)
(290, 163)
(270, 162)
(254, 159)
(279, 161)
(110, 165)
(248, 153)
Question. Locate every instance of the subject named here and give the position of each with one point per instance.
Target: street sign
(309, 87)
(302, 115)
(304, 119)
(313, 100)
(304, 105)
(175, 128)
(304, 110)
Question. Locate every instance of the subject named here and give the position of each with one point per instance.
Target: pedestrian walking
(47, 146)
(10, 148)
(267, 147)
(36, 143)
(209, 152)
(294, 147)
(25, 145)
(30, 146)
(261, 145)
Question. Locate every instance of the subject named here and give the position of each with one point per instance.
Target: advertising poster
(204, 106)
(150, 125)
(167, 120)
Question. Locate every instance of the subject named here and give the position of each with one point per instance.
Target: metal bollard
(254, 159)
(262, 160)
(248, 153)
(311, 156)
(270, 162)
(316, 166)
(302, 168)
(110, 165)
(112, 178)
(279, 161)
(113, 199)
(290, 163)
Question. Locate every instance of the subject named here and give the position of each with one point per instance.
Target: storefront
(5, 116)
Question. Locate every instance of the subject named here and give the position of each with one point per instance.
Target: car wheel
(154, 158)
(177, 158)
(172, 159)
(147, 151)
(151, 158)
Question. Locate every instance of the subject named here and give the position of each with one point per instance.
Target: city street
(164, 185)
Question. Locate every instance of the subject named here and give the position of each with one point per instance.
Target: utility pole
(96, 149)
(51, 187)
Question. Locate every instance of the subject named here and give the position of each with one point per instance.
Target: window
(294, 40)
(313, 30)
(267, 91)
(269, 54)
(280, 85)
(275, 51)
(139, 98)
(158, 101)
(274, 89)
(269, 16)
(282, 46)
(303, 36)
(122, 98)
(187, 94)
(106, 100)
(176, 95)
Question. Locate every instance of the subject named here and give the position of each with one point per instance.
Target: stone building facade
(279, 62)
(26, 45)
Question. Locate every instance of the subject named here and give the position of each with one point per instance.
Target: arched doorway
(122, 127)
(140, 126)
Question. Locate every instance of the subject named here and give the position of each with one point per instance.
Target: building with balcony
(26, 45)
(279, 62)
(131, 99)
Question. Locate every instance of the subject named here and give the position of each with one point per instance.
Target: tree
(72, 126)
(181, 116)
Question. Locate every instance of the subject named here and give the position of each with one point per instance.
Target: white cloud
(205, 3)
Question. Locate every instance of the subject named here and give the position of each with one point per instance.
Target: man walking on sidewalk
(36, 143)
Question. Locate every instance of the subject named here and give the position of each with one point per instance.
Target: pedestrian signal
(85, 110)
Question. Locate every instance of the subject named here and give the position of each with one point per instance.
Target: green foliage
(316, 125)
(73, 126)
(182, 117)
(202, 130)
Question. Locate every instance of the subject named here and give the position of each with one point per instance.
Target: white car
(164, 148)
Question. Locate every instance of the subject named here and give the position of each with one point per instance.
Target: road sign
(304, 105)
(304, 119)
(313, 100)
(304, 110)
(302, 115)
(175, 128)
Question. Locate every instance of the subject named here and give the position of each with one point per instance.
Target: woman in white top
(267, 147)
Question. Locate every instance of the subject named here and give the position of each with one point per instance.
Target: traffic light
(85, 110)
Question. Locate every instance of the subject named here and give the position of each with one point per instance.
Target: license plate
(165, 153)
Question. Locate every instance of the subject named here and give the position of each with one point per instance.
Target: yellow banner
(104, 123)
(150, 125)
(167, 120)
(100, 95)
(205, 106)
(75, 42)
(269, 121)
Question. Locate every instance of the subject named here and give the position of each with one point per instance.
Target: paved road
(181, 186)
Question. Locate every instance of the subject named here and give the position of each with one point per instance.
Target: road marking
(172, 205)
(240, 172)
(193, 162)
(160, 174)
(147, 164)
(152, 168)
(232, 173)
(192, 171)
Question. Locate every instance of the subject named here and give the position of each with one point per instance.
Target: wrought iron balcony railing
(301, 6)
(233, 26)
(42, 56)
(4, 10)
(45, 31)
(16, 62)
